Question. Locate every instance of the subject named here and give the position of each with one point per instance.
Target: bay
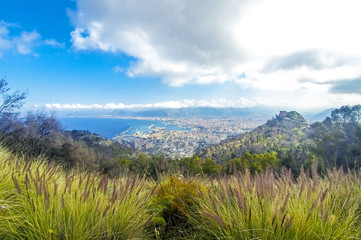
(111, 127)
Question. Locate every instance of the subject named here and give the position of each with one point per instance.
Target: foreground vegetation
(265, 207)
(42, 201)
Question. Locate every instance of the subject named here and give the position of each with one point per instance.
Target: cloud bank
(257, 44)
(185, 103)
(297, 103)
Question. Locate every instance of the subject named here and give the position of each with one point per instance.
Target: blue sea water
(111, 127)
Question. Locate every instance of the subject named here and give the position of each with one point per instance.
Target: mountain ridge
(189, 112)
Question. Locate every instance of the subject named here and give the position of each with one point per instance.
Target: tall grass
(40, 201)
(264, 206)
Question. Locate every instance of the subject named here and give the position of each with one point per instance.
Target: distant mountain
(322, 115)
(83, 113)
(198, 112)
(201, 112)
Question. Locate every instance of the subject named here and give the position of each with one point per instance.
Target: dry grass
(265, 206)
(41, 201)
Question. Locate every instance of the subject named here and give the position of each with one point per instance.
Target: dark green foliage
(191, 165)
(254, 162)
(338, 139)
(42, 135)
(335, 142)
(236, 165)
(347, 114)
(211, 168)
(285, 137)
(295, 116)
(174, 196)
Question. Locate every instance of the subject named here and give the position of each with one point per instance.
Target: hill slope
(286, 134)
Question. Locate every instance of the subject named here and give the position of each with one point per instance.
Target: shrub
(174, 197)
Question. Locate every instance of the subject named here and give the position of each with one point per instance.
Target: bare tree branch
(10, 101)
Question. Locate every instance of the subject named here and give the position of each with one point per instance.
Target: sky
(135, 54)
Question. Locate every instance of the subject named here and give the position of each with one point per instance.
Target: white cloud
(117, 69)
(26, 42)
(203, 42)
(185, 103)
(23, 43)
(166, 104)
(180, 41)
(5, 44)
(293, 52)
(299, 102)
(53, 43)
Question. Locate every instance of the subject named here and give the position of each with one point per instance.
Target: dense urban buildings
(197, 133)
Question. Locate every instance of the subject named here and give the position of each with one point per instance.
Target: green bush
(174, 197)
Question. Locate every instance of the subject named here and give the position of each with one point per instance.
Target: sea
(111, 127)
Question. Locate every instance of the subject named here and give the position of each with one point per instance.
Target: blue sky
(128, 54)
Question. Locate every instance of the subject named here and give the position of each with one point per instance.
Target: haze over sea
(111, 127)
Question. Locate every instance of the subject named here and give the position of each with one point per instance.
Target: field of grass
(266, 207)
(42, 201)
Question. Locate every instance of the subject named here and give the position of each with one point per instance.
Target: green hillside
(285, 135)
(334, 142)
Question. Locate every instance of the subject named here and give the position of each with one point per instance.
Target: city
(198, 133)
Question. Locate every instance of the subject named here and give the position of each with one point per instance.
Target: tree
(338, 138)
(191, 165)
(209, 167)
(10, 101)
(236, 165)
(347, 114)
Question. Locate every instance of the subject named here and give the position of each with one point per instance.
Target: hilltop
(295, 143)
(285, 134)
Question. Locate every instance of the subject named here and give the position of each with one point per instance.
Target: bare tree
(10, 101)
